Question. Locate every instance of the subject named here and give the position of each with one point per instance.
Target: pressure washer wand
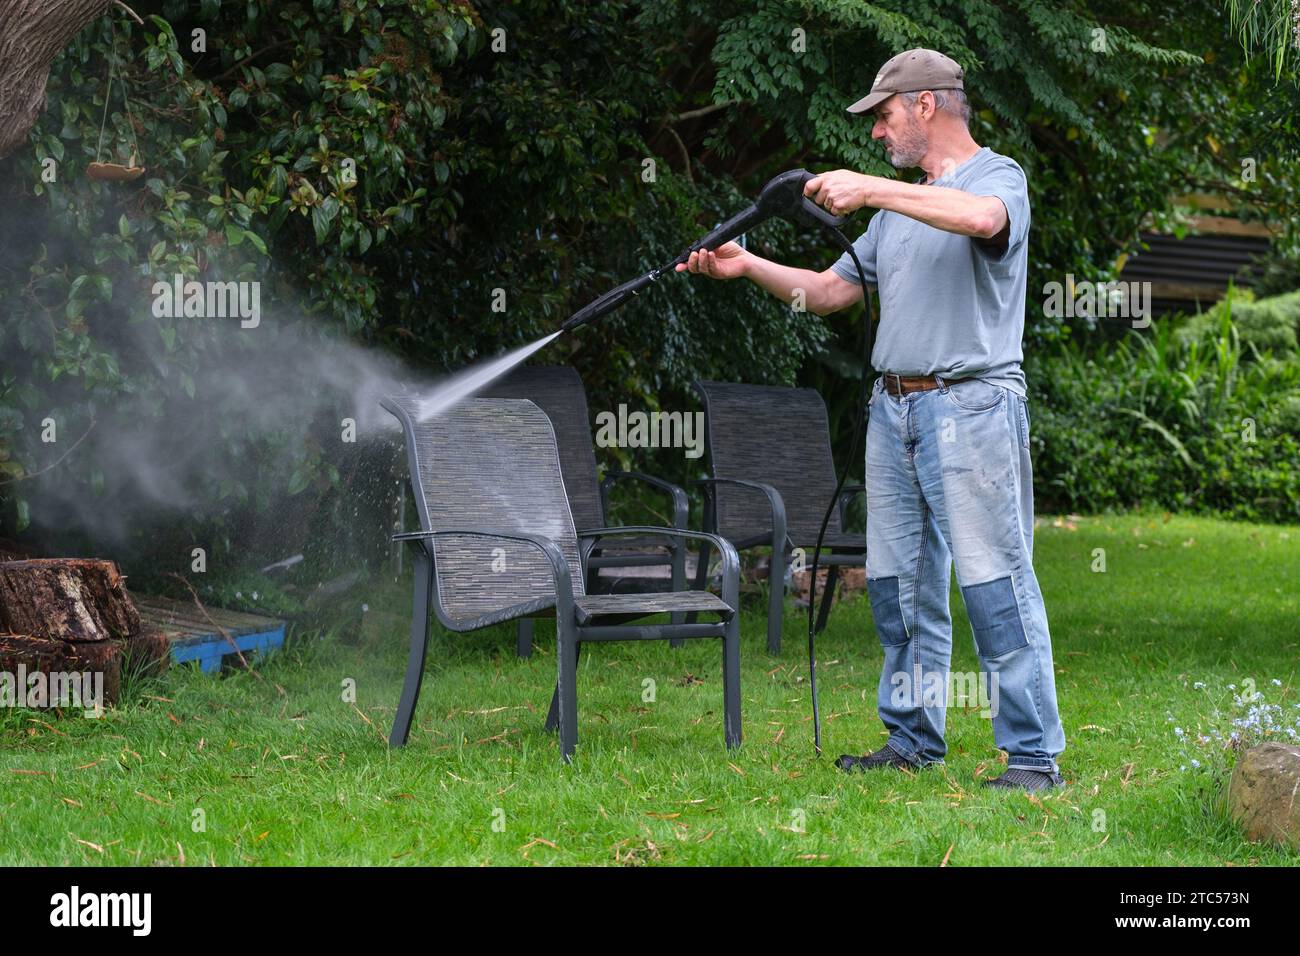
(781, 196)
(612, 299)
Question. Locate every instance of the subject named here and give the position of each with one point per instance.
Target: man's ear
(921, 102)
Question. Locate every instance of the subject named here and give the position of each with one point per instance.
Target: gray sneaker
(1017, 778)
(886, 756)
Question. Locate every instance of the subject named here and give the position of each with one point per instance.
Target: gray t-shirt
(949, 304)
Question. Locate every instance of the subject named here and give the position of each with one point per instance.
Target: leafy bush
(1172, 418)
(1270, 324)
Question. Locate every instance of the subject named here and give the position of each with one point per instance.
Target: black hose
(868, 340)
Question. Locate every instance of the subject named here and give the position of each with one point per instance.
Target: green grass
(287, 772)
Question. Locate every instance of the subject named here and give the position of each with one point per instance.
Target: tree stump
(71, 615)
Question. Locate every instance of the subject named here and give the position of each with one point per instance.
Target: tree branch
(134, 16)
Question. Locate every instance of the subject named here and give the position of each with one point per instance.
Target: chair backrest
(488, 464)
(779, 436)
(558, 389)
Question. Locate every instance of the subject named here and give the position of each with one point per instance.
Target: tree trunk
(32, 32)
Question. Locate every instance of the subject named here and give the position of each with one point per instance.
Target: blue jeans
(949, 481)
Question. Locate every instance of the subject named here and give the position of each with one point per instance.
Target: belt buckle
(898, 379)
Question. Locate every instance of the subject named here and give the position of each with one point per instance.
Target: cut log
(149, 649)
(68, 617)
(24, 656)
(66, 599)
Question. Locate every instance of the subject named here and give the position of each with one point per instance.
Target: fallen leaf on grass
(538, 840)
(363, 717)
(944, 862)
(94, 846)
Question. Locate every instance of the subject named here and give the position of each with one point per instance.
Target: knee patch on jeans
(995, 617)
(887, 610)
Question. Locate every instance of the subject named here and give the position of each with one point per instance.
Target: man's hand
(840, 192)
(728, 261)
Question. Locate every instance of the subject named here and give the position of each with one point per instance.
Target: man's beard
(910, 148)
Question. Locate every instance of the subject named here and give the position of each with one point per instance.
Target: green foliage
(1271, 28)
(1184, 419)
(1270, 324)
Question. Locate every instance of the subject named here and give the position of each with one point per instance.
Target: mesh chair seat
(634, 544)
(601, 605)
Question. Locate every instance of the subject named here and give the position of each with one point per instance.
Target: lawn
(277, 767)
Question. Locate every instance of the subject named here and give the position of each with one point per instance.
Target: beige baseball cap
(911, 70)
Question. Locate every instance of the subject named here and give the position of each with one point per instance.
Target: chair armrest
(550, 550)
(730, 560)
(774, 499)
(681, 505)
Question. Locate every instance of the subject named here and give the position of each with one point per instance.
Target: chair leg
(566, 688)
(775, 597)
(828, 595)
(731, 682)
(553, 713)
(423, 574)
(524, 638)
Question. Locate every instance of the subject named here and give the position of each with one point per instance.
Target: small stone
(1262, 795)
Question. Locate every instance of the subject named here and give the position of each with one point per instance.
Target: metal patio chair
(772, 475)
(497, 542)
(559, 391)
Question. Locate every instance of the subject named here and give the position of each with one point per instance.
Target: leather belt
(903, 384)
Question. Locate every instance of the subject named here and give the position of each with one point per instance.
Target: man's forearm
(952, 210)
(785, 282)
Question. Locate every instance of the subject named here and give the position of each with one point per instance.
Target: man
(947, 461)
